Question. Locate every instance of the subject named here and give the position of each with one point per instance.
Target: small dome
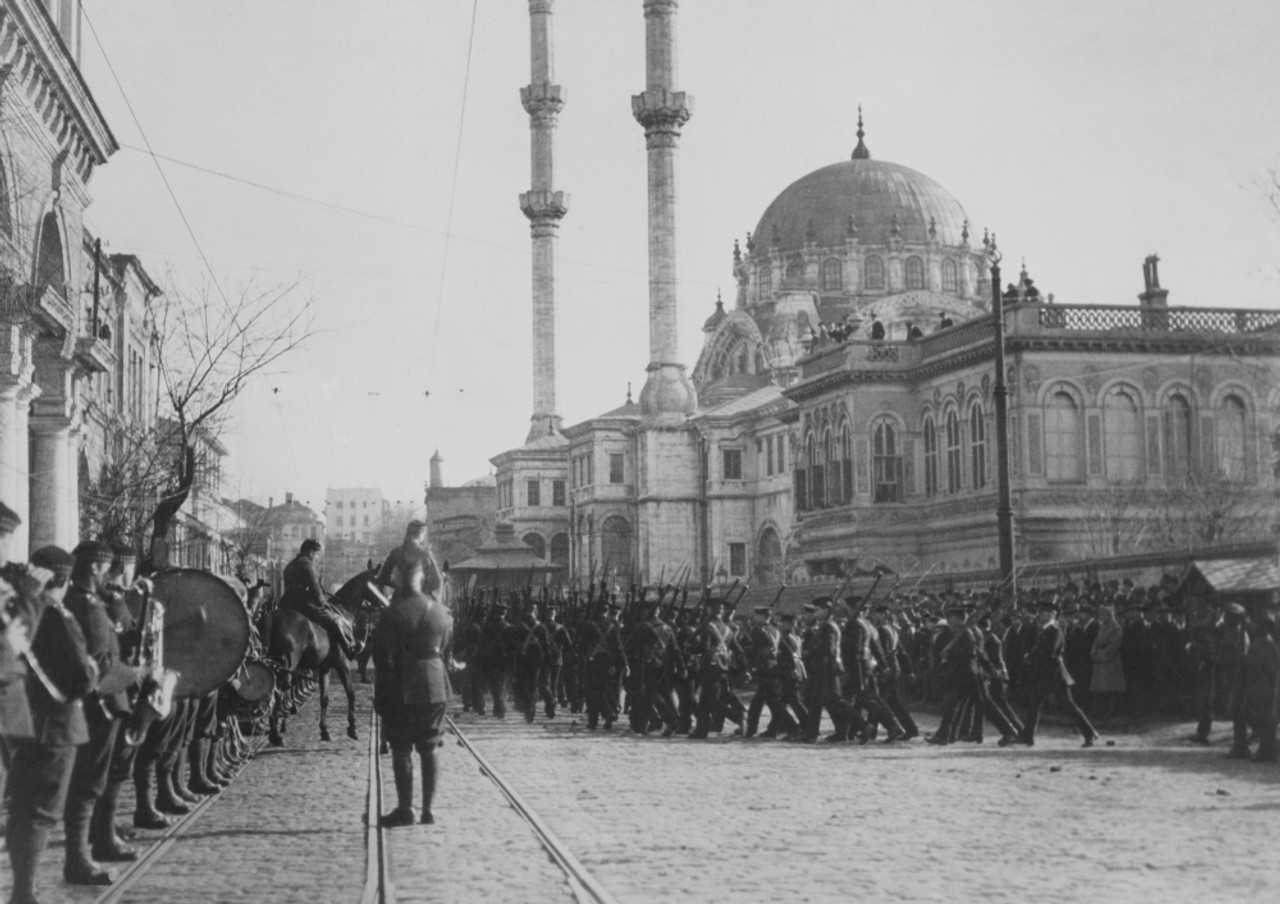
(880, 196)
(716, 317)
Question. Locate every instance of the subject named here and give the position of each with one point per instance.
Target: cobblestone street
(1149, 819)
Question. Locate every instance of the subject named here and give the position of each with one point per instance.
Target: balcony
(94, 355)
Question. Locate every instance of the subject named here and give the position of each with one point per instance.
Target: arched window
(1122, 429)
(769, 570)
(560, 551)
(1231, 444)
(537, 544)
(817, 476)
(801, 475)
(615, 545)
(1177, 436)
(949, 281)
(1062, 438)
(50, 270)
(795, 267)
(978, 446)
(953, 451)
(873, 273)
(886, 463)
(846, 464)
(832, 275)
(914, 273)
(930, 458)
(765, 280)
(833, 468)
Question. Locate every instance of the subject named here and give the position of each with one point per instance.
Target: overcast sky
(1085, 134)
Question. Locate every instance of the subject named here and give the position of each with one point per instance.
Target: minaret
(437, 478)
(544, 207)
(667, 449)
(668, 396)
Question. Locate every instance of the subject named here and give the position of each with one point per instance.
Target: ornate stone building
(842, 408)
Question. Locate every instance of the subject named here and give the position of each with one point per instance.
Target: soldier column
(544, 207)
(667, 510)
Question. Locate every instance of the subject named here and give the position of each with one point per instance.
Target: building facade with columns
(842, 409)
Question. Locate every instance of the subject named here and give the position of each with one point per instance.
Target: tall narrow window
(737, 560)
(557, 493)
(1122, 436)
(535, 494)
(949, 281)
(978, 447)
(913, 273)
(930, 458)
(873, 273)
(765, 280)
(846, 464)
(817, 477)
(802, 480)
(615, 468)
(953, 452)
(1062, 438)
(832, 275)
(886, 464)
(732, 464)
(768, 451)
(833, 469)
(1231, 443)
(1177, 437)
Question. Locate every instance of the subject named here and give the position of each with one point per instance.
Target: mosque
(842, 412)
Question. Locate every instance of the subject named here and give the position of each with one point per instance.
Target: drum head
(206, 629)
(256, 681)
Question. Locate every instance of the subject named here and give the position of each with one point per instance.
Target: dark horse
(298, 645)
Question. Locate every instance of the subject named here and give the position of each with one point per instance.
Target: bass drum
(206, 629)
(254, 682)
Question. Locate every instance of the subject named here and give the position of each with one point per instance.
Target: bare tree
(211, 347)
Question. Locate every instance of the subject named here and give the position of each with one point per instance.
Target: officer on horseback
(302, 593)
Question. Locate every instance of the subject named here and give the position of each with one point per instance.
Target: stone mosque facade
(841, 409)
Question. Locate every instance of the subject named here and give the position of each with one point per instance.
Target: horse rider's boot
(402, 769)
(428, 760)
(106, 844)
(197, 756)
(180, 786)
(167, 799)
(79, 868)
(24, 860)
(145, 814)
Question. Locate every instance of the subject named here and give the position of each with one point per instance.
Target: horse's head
(361, 594)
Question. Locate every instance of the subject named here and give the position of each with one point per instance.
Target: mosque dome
(880, 197)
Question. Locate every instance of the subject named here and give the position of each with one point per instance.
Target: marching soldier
(862, 660)
(791, 676)
(825, 668)
(1048, 677)
(603, 663)
(530, 642)
(558, 642)
(892, 671)
(762, 652)
(491, 660)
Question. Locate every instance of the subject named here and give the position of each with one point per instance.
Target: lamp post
(1004, 503)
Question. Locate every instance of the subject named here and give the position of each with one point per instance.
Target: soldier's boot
(80, 868)
(24, 861)
(428, 760)
(197, 758)
(106, 844)
(402, 769)
(180, 786)
(145, 814)
(167, 799)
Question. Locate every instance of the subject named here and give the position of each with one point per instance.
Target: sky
(373, 154)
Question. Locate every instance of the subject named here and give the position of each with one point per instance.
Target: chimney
(288, 499)
(437, 480)
(1152, 296)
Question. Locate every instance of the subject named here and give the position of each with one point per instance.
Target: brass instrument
(155, 698)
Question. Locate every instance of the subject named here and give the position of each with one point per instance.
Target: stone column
(9, 464)
(668, 396)
(21, 504)
(544, 206)
(51, 481)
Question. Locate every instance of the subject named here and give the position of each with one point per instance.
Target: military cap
(124, 552)
(54, 558)
(93, 551)
(809, 607)
(9, 519)
(881, 608)
(787, 617)
(823, 602)
(762, 610)
(1233, 609)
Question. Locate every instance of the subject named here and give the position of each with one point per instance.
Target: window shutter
(1153, 444)
(1094, 423)
(1035, 461)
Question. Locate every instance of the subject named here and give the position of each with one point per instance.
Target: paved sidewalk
(1150, 819)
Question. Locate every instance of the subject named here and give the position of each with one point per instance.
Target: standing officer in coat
(41, 764)
(104, 710)
(412, 647)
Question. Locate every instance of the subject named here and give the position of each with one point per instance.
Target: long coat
(1108, 668)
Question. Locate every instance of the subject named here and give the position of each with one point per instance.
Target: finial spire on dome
(628, 392)
(861, 152)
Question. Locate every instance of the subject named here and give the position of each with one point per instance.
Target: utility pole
(1004, 504)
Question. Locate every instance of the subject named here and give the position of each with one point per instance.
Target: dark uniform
(762, 651)
(1047, 677)
(602, 665)
(302, 593)
(825, 667)
(411, 689)
(529, 642)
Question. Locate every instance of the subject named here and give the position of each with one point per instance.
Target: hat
(9, 519)
(809, 607)
(415, 525)
(823, 602)
(762, 610)
(124, 552)
(309, 544)
(787, 617)
(93, 551)
(1233, 609)
(54, 558)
